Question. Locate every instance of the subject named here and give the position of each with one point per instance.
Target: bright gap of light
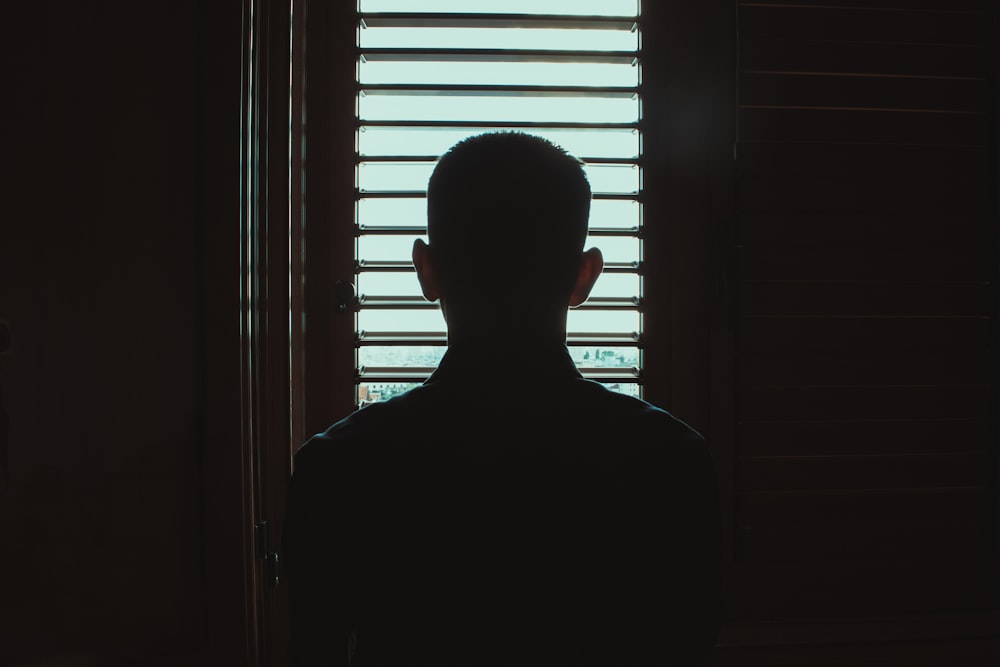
(566, 7)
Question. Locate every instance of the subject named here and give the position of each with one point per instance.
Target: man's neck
(506, 338)
(503, 360)
(507, 328)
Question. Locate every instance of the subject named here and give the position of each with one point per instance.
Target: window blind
(866, 355)
(569, 72)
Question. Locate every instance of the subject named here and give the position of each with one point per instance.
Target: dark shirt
(504, 513)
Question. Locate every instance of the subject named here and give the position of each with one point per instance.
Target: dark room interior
(821, 267)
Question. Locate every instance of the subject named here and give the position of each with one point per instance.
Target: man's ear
(427, 275)
(591, 266)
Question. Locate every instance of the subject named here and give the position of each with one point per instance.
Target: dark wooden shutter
(865, 467)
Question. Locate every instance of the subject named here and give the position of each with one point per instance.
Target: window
(566, 71)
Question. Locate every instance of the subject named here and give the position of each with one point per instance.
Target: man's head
(507, 220)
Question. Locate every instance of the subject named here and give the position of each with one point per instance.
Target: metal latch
(269, 558)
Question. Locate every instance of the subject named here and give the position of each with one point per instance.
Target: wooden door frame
(226, 477)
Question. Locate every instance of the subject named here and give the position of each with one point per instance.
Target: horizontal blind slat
(403, 302)
(861, 368)
(434, 55)
(406, 230)
(483, 124)
(417, 194)
(497, 90)
(359, 159)
(573, 338)
(407, 266)
(412, 373)
(516, 21)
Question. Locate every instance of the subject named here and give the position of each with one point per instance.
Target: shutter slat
(817, 159)
(412, 177)
(623, 161)
(478, 90)
(878, 232)
(952, 471)
(870, 541)
(407, 266)
(496, 55)
(846, 192)
(400, 302)
(866, 334)
(418, 194)
(419, 374)
(866, 368)
(851, 436)
(796, 403)
(573, 338)
(897, 587)
(616, 144)
(500, 125)
(863, 126)
(926, 264)
(839, 90)
(418, 230)
(865, 298)
(961, 6)
(515, 21)
(874, 24)
(803, 56)
(832, 507)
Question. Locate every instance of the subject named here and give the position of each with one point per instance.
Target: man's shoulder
(583, 412)
(630, 414)
(366, 425)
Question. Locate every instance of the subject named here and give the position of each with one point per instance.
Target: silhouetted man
(507, 511)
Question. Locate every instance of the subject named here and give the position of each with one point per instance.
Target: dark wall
(103, 510)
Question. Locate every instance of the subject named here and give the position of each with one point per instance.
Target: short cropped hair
(508, 188)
